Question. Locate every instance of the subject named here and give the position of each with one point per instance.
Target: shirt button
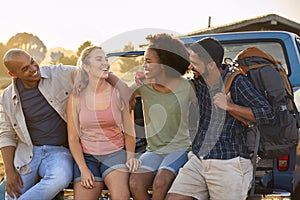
(67, 93)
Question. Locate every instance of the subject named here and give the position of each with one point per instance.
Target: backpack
(269, 78)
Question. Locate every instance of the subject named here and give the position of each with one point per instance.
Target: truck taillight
(283, 163)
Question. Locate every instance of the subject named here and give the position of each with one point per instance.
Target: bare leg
(117, 184)
(162, 183)
(139, 183)
(81, 192)
(173, 196)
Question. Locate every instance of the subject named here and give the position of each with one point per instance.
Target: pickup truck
(275, 178)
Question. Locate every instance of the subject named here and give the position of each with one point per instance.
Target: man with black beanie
(219, 166)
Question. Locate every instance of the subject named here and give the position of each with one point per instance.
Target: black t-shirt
(44, 124)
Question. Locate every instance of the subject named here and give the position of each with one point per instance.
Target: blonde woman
(100, 131)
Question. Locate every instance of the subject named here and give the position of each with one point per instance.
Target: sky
(113, 23)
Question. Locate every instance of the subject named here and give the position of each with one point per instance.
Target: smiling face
(197, 66)
(24, 67)
(97, 65)
(151, 64)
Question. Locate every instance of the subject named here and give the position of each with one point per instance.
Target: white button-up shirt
(56, 85)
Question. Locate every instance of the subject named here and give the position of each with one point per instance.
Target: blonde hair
(82, 78)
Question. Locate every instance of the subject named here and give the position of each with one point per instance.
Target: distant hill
(66, 52)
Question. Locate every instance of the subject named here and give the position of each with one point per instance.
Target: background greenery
(35, 46)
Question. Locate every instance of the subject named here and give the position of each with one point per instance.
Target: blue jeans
(52, 166)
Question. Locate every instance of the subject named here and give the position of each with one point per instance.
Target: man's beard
(201, 77)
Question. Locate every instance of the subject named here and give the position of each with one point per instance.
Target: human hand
(222, 101)
(87, 179)
(13, 184)
(139, 78)
(133, 164)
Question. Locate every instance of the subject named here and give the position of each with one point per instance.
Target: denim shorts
(172, 161)
(101, 165)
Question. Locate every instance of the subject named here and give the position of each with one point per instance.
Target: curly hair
(171, 52)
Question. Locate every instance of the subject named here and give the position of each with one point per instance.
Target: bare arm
(87, 179)
(130, 140)
(223, 101)
(121, 86)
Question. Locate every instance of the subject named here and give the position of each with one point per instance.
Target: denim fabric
(102, 165)
(53, 167)
(172, 161)
(56, 85)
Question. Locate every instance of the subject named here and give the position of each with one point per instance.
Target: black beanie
(214, 48)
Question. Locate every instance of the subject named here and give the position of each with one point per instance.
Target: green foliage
(128, 47)
(55, 56)
(59, 57)
(34, 46)
(30, 43)
(126, 64)
(83, 46)
(3, 70)
(68, 60)
(4, 82)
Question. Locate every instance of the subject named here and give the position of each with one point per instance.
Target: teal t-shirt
(166, 117)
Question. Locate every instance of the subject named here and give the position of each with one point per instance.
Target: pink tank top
(100, 130)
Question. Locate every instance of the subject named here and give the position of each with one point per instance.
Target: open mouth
(36, 73)
(104, 69)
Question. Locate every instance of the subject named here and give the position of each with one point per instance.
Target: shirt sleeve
(244, 94)
(7, 133)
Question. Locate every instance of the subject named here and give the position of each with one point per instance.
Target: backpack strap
(228, 79)
(277, 66)
(279, 69)
(245, 68)
(281, 72)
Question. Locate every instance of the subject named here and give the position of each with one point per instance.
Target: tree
(83, 46)
(30, 43)
(3, 70)
(67, 60)
(55, 56)
(127, 64)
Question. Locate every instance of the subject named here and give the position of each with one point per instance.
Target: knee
(63, 175)
(66, 178)
(62, 178)
(121, 195)
(133, 183)
(172, 196)
(160, 182)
